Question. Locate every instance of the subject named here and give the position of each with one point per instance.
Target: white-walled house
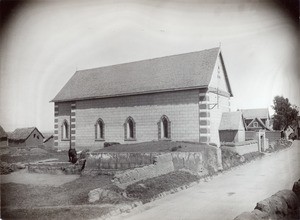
(179, 97)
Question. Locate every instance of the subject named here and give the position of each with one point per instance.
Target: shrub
(107, 144)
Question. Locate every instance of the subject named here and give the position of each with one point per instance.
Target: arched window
(129, 129)
(164, 128)
(65, 130)
(99, 129)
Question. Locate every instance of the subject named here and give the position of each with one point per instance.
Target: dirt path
(37, 179)
(229, 194)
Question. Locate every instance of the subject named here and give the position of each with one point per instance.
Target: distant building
(25, 137)
(3, 137)
(289, 131)
(49, 141)
(256, 119)
(232, 127)
(180, 98)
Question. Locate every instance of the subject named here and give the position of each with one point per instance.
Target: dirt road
(228, 194)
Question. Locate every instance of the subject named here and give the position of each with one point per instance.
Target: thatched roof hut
(21, 134)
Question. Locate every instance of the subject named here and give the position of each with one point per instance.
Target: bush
(150, 188)
(107, 144)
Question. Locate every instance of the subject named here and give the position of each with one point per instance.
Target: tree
(285, 113)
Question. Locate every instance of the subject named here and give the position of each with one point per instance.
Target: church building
(179, 98)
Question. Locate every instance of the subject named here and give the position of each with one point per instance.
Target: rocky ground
(43, 196)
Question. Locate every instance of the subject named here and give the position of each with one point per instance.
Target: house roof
(231, 121)
(170, 73)
(2, 133)
(48, 138)
(21, 134)
(260, 122)
(255, 113)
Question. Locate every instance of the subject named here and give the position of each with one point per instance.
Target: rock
(290, 198)
(20, 165)
(259, 214)
(296, 188)
(246, 216)
(94, 195)
(281, 208)
(102, 194)
(242, 159)
(265, 206)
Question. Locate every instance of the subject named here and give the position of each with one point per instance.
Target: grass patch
(232, 159)
(26, 155)
(50, 213)
(145, 190)
(279, 145)
(156, 146)
(14, 195)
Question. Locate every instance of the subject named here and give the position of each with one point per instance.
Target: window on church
(99, 130)
(164, 128)
(65, 131)
(129, 129)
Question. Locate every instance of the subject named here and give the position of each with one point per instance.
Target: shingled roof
(21, 134)
(231, 121)
(255, 113)
(176, 72)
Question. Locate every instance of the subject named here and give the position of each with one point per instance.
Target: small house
(232, 127)
(256, 119)
(3, 137)
(288, 132)
(49, 141)
(25, 137)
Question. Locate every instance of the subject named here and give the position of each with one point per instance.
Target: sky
(45, 42)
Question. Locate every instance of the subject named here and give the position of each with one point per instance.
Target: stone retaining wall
(54, 168)
(202, 163)
(118, 161)
(247, 147)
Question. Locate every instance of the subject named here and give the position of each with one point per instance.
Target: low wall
(163, 165)
(206, 162)
(273, 135)
(250, 135)
(118, 161)
(241, 147)
(203, 163)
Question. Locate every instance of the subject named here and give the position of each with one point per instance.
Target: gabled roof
(177, 72)
(2, 133)
(21, 134)
(48, 138)
(231, 121)
(260, 122)
(261, 113)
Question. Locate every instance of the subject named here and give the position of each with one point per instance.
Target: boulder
(102, 194)
(296, 188)
(290, 198)
(259, 214)
(265, 206)
(281, 208)
(246, 216)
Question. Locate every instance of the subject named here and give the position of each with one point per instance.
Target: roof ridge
(159, 74)
(155, 58)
